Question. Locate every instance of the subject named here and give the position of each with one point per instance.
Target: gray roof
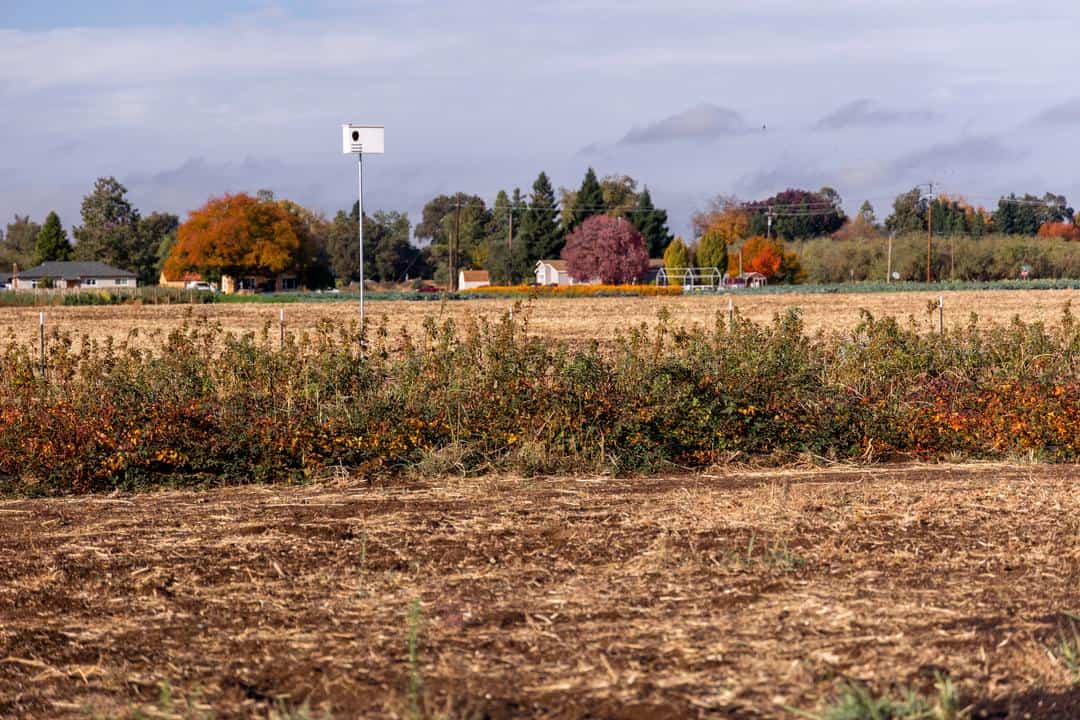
(73, 270)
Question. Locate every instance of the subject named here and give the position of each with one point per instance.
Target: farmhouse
(74, 276)
(556, 272)
(469, 279)
(181, 282)
(746, 280)
(245, 284)
(656, 265)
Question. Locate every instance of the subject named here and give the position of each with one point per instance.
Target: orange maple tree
(1063, 230)
(762, 255)
(237, 235)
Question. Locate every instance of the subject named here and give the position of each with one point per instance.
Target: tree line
(241, 234)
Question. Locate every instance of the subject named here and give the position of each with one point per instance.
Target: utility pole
(888, 262)
(454, 244)
(929, 229)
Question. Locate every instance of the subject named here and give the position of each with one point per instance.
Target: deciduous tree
(608, 249)
(712, 251)
(762, 255)
(237, 235)
(19, 242)
(677, 255)
(156, 235)
(797, 214)
(1063, 230)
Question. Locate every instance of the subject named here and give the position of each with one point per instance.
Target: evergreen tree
(52, 241)
(588, 201)
(541, 238)
(109, 232)
(651, 223)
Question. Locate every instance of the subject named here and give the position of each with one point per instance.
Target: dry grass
(575, 319)
(734, 594)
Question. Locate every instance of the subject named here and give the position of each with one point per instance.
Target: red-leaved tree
(607, 249)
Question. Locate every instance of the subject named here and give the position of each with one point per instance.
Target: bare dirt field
(730, 594)
(571, 318)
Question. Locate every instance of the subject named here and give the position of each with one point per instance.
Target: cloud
(866, 113)
(701, 122)
(960, 155)
(1067, 113)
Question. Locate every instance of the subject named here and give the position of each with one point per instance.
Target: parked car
(201, 286)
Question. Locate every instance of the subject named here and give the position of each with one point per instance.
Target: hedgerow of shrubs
(208, 407)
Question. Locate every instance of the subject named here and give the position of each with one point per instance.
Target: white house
(469, 279)
(553, 272)
(74, 276)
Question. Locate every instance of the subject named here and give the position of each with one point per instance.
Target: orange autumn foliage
(1063, 230)
(759, 254)
(235, 235)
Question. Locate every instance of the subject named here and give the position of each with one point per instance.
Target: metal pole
(360, 222)
(941, 314)
(454, 248)
(41, 340)
(929, 229)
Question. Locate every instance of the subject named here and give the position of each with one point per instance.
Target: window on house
(90, 281)
(288, 283)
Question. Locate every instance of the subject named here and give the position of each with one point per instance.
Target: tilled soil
(730, 594)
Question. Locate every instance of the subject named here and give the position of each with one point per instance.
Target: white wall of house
(84, 284)
(464, 284)
(547, 274)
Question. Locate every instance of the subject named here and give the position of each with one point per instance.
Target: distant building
(650, 276)
(469, 279)
(74, 276)
(746, 280)
(230, 285)
(181, 282)
(553, 272)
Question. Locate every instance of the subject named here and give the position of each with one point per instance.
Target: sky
(184, 101)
